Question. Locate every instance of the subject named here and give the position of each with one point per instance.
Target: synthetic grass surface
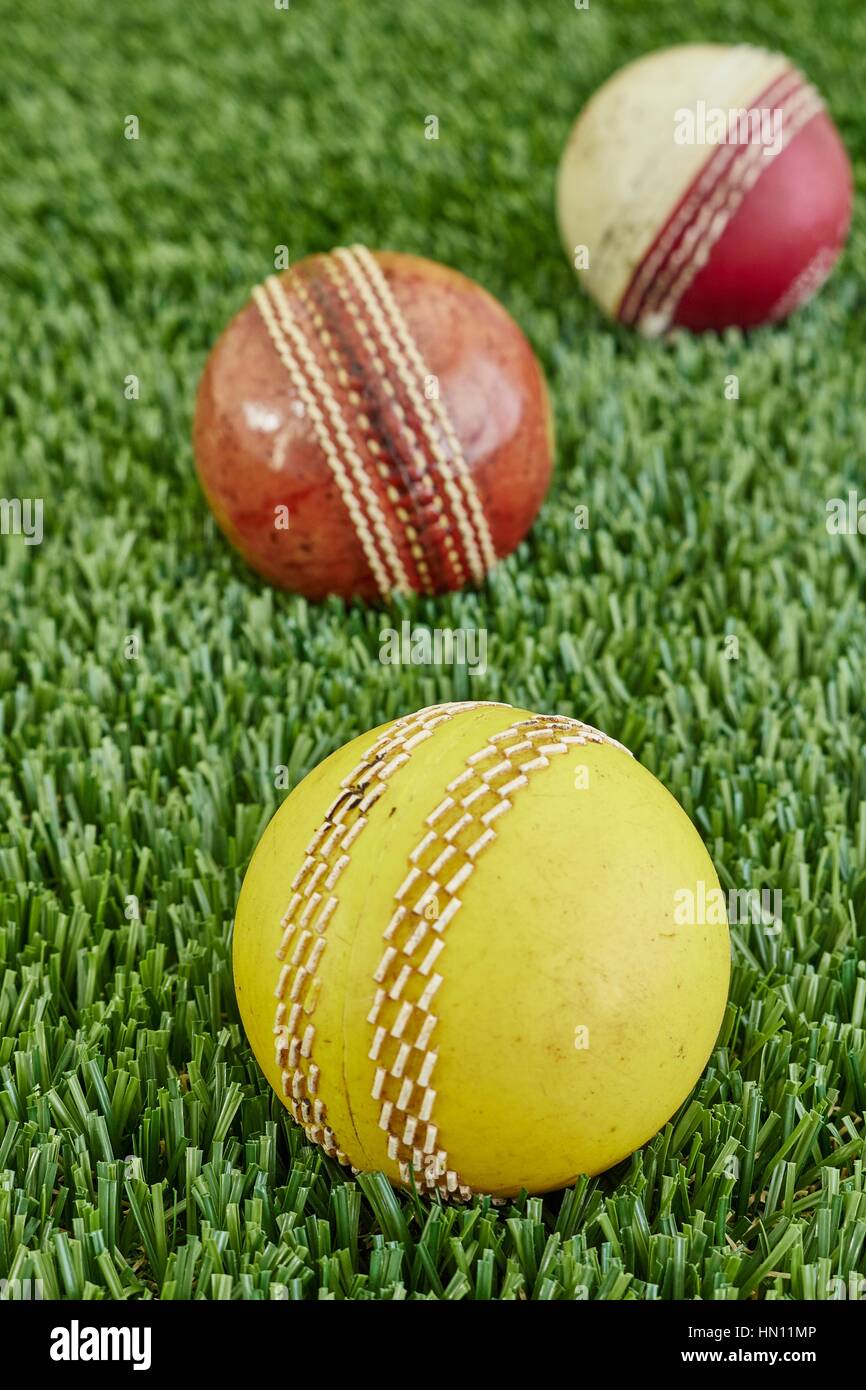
(141, 1153)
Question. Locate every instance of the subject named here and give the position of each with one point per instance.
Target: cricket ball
(373, 422)
(458, 955)
(704, 186)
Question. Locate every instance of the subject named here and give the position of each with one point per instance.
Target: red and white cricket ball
(707, 187)
(373, 422)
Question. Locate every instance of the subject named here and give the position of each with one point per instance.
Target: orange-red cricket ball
(373, 422)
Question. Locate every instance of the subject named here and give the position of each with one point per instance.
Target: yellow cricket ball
(459, 958)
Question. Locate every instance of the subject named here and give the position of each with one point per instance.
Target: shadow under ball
(371, 423)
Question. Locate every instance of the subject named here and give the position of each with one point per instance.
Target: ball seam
(314, 901)
(352, 483)
(689, 205)
(454, 471)
(457, 833)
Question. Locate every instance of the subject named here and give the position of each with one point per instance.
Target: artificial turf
(141, 1152)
